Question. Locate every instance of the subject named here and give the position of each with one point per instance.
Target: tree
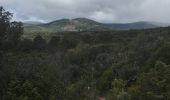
(54, 42)
(39, 43)
(26, 45)
(154, 85)
(13, 36)
(15, 32)
(105, 81)
(22, 90)
(10, 32)
(67, 42)
(5, 18)
(118, 91)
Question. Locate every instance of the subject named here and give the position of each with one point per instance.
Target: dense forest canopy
(88, 65)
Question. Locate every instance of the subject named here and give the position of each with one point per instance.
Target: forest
(83, 65)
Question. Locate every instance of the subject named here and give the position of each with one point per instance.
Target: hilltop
(84, 24)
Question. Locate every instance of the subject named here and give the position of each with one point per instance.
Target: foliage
(115, 65)
(19, 90)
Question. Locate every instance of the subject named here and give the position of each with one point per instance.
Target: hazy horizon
(140, 21)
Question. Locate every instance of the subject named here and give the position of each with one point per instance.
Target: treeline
(115, 65)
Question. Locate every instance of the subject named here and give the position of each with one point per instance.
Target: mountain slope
(136, 25)
(84, 24)
(78, 24)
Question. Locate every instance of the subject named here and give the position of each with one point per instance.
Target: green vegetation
(78, 24)
(83, 24)
(116, 65)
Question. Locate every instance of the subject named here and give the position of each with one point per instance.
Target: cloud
(108, 11)
(103, 16)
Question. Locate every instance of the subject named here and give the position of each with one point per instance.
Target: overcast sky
(106, 11)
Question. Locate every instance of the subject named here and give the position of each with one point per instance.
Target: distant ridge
(135, 25)
(84, 24)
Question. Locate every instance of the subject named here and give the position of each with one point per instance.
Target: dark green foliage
(154, 84)
(54, 42)
(13, 35)
(5, 18)
(68, 42)
(15, 32)
(162, 54)
(39, 43)
(22, 90)
(105, 81)
(10, 33)
(26, 45)
(116, 65)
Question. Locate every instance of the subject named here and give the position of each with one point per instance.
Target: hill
(78, 24)
(84, 24)
(135, 25)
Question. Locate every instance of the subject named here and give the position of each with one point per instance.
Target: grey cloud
(108, 11)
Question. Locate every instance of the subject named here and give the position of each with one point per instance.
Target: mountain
(160, 24)
(78, 24)
(30, 23)
(84, 24)
(135, 25)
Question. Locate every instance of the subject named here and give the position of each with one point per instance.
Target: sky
(105, 11)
